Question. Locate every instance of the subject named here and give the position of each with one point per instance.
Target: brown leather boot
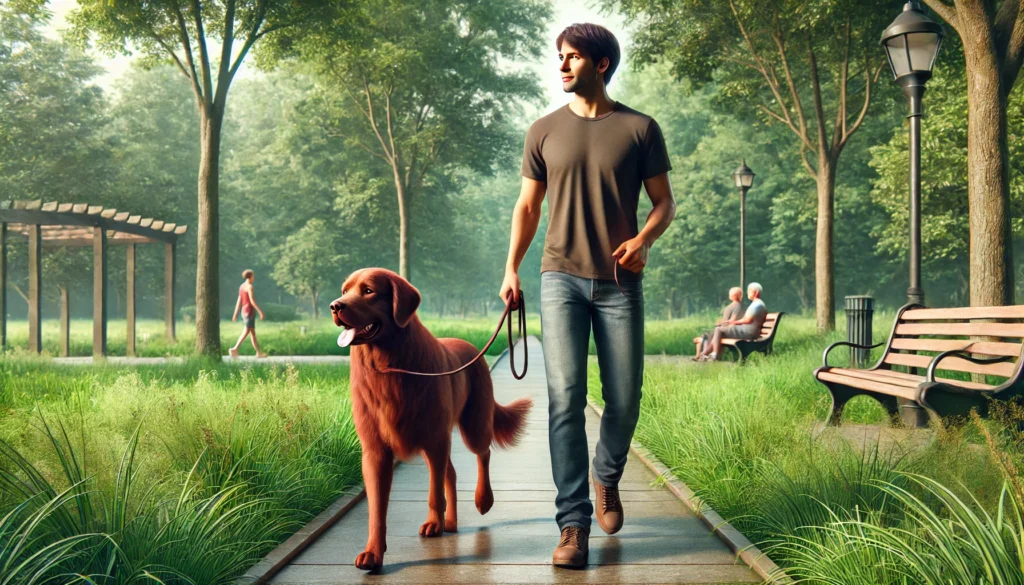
(572, 548)
(608, 507)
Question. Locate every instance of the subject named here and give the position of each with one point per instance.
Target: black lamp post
(911, 44)
(744, 178)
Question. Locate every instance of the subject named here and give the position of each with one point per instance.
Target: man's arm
(238, 303)
(659, 189)
(525, 219)
(632, 254)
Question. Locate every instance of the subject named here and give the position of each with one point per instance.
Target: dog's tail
(510, 421)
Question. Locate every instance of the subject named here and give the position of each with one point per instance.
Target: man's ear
(405, 298)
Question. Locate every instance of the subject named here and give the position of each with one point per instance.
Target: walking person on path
(591, 156)
(247, 303)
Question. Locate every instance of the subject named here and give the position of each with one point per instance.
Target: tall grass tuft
(170, 481)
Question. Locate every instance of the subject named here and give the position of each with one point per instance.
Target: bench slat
(906, 379)
(880, 387)
(1010, 312)
(986, 329)
(951, 363)
(937, 345)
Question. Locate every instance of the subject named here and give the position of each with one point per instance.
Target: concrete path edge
(280, 557)
(734, 539)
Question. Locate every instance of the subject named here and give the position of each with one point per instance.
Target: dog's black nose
(337, 306)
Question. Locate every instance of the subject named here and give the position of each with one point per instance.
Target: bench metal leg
(840, 396)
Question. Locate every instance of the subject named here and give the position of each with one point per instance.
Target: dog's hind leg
(484, 495)
(451, 516)
(437, 457)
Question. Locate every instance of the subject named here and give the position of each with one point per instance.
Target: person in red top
(247, 304)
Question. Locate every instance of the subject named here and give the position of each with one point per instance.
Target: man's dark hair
(247, 273)
(595, 42)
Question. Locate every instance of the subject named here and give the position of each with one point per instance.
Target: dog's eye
(367, 291)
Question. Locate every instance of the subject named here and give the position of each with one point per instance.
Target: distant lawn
(670, 337)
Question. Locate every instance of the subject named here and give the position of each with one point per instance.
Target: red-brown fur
(404, 415)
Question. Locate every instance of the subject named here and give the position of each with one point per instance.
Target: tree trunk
(403, 226)
(208, 237)
(316, 305)
(824, 270)
(988, 181)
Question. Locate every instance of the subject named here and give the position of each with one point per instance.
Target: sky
(566, 12)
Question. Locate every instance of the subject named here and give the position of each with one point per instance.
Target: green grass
(185, 473)
(284, 338)
(742, 437)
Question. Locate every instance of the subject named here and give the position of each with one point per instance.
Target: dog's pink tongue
(346, 337)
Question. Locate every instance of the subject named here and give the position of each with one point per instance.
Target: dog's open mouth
(351, 334)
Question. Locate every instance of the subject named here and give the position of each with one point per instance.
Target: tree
(992, 34)
(178, 32)
(413, 83)
(802, 64)
(308, 262)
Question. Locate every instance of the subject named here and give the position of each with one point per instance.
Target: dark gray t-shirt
(733, 311)
(594, 168)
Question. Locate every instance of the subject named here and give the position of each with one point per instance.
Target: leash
(510, 305)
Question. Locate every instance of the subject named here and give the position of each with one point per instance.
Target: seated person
(749, 327)
(733, 311)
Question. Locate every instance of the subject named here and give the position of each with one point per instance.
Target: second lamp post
(744, 178)
(911, 44)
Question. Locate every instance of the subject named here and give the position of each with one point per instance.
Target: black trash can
(859, 312)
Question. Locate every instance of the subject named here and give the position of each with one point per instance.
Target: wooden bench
(745, 347)
(924, 341)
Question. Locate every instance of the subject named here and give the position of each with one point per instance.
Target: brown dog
(403, 414)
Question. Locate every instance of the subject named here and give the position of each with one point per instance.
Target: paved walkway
(661, 542)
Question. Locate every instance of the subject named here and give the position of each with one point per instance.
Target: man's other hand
(632, 254)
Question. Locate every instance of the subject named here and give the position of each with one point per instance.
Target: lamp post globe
(744, 178)
(911, 45)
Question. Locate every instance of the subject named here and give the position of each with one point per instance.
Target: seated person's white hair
(754, 286)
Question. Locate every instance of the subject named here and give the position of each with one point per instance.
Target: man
(247, 303)
(749, 327)
(591, 155)
(732, 311)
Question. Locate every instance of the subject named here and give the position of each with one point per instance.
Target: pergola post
(65, 323)
(169, 271)
(35, 271)
(99, 292)
(130, 300)
(3, 285)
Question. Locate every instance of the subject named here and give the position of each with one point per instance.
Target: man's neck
(592, 106)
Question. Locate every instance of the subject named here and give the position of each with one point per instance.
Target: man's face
(579, 72)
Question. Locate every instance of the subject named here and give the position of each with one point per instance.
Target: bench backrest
(921, 334)
(768, 328)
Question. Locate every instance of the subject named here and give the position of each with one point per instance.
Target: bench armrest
(963, 354)
(824, 358)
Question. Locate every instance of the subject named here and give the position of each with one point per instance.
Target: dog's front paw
(451, 525)
(431, 528)
(369, 560)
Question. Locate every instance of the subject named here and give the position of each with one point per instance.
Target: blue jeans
(569, 304)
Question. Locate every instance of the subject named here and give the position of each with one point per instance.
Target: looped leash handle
(521, 307)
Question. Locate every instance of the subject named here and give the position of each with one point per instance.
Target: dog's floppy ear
(406, 299)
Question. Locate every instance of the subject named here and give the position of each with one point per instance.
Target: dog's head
(374, 303)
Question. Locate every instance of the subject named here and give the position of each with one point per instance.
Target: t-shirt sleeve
(654, 155)
(533, 160)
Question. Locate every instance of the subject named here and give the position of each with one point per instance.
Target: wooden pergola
(52, 225)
